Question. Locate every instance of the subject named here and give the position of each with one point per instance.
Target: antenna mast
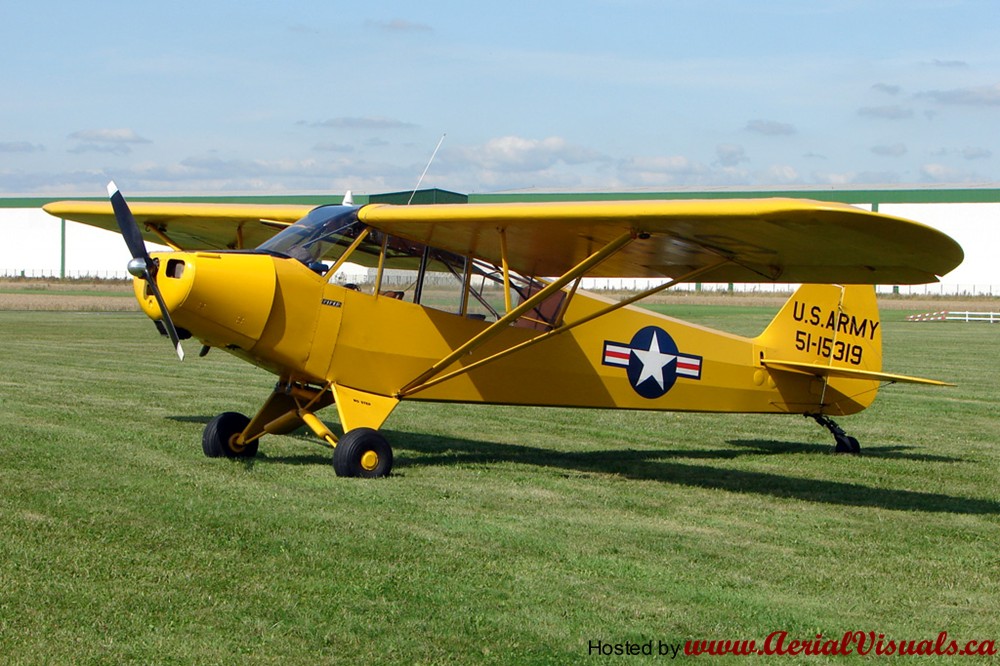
(421, 179)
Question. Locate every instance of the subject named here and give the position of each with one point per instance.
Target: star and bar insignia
(652, 361)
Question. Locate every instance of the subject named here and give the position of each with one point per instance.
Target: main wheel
(362, 452)
(219, 438)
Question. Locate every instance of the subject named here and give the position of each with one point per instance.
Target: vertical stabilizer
(820, 327)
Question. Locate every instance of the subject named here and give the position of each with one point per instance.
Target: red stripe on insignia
(619, 355)
(689, 366)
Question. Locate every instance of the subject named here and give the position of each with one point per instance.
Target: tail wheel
(847, 444)
(221, 435)
(362, 452)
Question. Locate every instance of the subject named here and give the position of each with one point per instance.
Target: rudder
(833, 326)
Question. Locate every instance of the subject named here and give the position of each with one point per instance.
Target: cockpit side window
(470, 287)
(411, 271)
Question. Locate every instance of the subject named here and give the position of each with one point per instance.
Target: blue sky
(311, 97)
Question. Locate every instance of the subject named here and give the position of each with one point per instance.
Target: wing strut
(347, 253)
(512, 315)
(381, 266)
(162, 235)
(506, 269)
(413, 387)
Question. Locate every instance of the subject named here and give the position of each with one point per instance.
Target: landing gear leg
(845, 443)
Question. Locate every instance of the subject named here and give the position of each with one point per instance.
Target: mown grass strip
(507, 535)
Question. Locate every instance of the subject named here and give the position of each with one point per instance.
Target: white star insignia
(653, 361)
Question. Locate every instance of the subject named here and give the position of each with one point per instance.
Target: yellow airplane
(510, 324)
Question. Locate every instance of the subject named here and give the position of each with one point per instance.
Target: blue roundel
(652, 367)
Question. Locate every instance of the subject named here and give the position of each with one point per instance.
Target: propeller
(142, 265)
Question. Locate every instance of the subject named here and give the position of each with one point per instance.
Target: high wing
(190, 226)
(786, 240)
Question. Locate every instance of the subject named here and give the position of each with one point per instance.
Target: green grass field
(505, 535)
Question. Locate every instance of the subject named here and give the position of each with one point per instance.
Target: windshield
(317, 235)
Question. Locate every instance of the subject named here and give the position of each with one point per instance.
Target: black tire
(847, 444)
(362, 452)
(219, 438)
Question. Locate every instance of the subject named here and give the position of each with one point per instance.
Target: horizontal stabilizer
(847, 373)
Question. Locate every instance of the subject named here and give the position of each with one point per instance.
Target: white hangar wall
(976, 227)
(32, 247)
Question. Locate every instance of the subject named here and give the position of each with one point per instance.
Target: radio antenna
(421, 179)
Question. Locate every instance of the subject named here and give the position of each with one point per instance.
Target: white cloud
(975, 153)
(730, 154)
(514, 153)
(652, 169)
(950, 64)
(770, 127)
(940, 173)
(887, 88)
(363, 123)
(975, 96)
(835, 178)
(891, 150)
(887, 112)
(329, 147)
(781, 174)
(399, 25)
(111, 141)
(115, 136)
(20, 147)
(109, 148)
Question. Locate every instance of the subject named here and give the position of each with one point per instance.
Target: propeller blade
(142, 265)
(167, 322)
(127, 224)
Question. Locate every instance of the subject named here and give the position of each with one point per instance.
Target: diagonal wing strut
(512, 315)
(562, 329)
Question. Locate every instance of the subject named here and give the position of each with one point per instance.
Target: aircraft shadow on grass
(899, 451)
(416, 449)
